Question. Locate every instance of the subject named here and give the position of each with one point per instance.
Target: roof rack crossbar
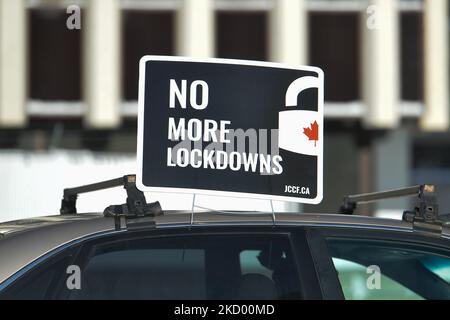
(350, 202)
(70, 192)
(136, 205)
(424, 216)
(382, 195)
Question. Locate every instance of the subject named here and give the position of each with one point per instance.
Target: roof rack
(424, 216)
(136, 205)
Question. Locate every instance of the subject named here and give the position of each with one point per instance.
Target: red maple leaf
(313, 132)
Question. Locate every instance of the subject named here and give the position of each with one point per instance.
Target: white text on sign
(183, 94)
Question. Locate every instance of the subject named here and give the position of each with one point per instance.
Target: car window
(149, 273)
(353, 278)
(249, 262)
(212, 266)
(438, 265)
(369, 269)
(42, 281)
(190, 267)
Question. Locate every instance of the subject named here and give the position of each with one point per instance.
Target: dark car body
(213, 255)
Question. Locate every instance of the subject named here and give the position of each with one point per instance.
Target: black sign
(230, 127)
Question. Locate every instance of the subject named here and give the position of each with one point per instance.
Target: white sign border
(140, 134)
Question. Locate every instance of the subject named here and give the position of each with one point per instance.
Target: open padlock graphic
(292, 123)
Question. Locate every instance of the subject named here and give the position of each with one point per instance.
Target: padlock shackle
(298, 86)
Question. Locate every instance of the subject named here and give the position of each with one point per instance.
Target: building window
(334, 47)
(431, 164)
(54, 56)
(144, 32)
(241, 35)
(411, 56)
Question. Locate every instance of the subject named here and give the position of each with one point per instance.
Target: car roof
(34, 238)
(177, 218)
(172, 218)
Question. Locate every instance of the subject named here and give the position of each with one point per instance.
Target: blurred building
(385, 62)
